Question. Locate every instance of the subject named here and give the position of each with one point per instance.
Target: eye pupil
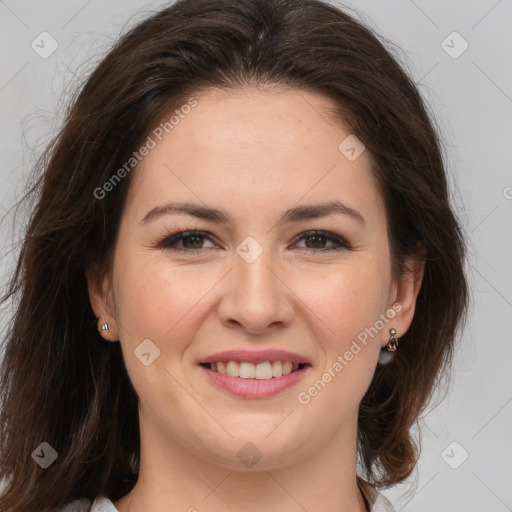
(191, 242)
(315, 239)
(192, 237)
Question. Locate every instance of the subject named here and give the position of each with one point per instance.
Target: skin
(252, 154)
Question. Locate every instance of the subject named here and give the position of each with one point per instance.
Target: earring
(385, 356)
(104, 327)
(393, 342)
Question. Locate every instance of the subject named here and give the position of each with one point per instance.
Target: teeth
(232, 369)
(262, 371)
(277, 369)
(245, 371)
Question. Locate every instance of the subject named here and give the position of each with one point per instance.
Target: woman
(186, 333)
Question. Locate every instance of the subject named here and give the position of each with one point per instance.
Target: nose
(257, 299)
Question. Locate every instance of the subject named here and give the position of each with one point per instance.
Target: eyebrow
(299, 213)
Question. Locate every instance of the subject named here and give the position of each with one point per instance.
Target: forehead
(256, 150)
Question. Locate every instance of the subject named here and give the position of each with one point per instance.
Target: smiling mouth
(261, 371)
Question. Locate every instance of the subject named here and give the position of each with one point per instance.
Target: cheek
(345, 300)
(159, 301)
(345, 308)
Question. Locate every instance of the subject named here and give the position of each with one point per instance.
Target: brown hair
(61, 383)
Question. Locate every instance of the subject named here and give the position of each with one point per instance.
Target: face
(263, 272)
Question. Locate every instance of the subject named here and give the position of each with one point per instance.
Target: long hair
(60, 383)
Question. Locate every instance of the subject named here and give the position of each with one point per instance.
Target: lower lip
(255, 388)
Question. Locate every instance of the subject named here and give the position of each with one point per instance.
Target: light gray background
(471, 97)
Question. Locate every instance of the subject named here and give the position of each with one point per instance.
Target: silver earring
(385, 356)
(104, 327)
(393, 342)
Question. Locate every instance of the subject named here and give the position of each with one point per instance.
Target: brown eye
(316, 241)
(191, 241)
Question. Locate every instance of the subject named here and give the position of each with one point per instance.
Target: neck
(321, 477)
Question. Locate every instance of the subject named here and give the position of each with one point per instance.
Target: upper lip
(255, 357)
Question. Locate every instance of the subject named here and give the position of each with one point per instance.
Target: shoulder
(377, 501)
(100, 504)
(83, 505)
(382, 504)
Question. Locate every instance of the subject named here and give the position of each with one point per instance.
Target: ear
(405, 292)
(100, 297)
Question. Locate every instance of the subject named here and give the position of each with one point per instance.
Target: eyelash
(169, 241)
